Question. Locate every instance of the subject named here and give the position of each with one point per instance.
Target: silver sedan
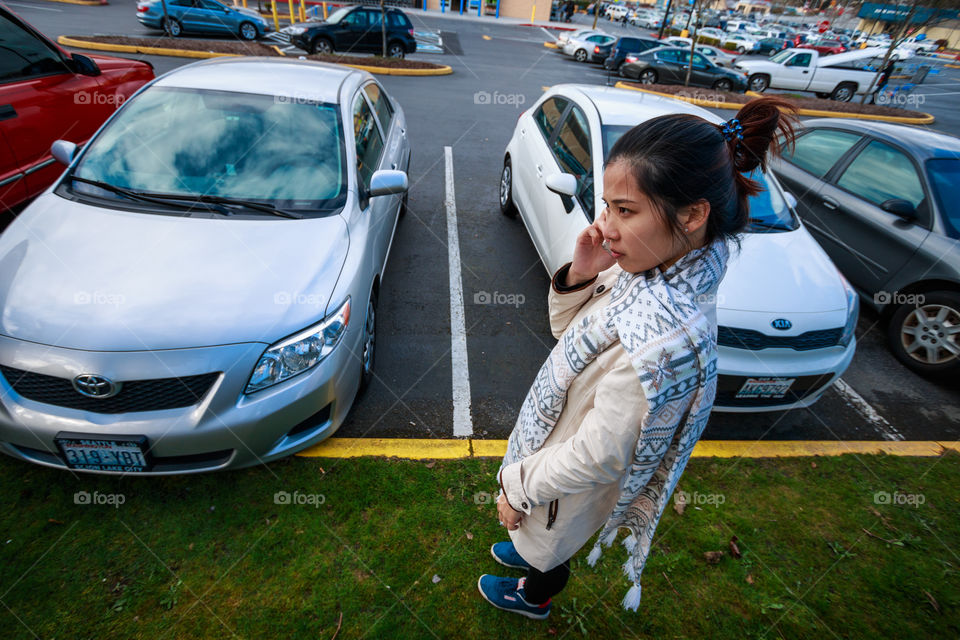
(199, 289)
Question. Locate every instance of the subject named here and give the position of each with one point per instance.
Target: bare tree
(383, 26)
(698, 9)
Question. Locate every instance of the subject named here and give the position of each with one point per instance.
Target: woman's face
(639, 236)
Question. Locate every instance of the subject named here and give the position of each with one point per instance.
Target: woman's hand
(589, 257)
(507, 515)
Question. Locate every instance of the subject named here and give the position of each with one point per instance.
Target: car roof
(300, 79)
(627, 107)
(921, 141)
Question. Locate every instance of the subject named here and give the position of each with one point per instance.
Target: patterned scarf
(673, 348)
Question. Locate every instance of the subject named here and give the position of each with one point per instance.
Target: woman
(613, 415)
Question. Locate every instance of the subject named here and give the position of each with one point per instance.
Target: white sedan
(739, 43)
(786, 316)
(581, 48)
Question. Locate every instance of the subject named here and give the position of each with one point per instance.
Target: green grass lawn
(393, 549)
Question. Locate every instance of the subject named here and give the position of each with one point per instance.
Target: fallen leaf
(430, 464)
(749, 578)
(679, 506)
(813, 464)
(713, 557)
(190, 547)
(734, 549)
(469, 535)
(436, 578)
(932, 601)
(54, 521)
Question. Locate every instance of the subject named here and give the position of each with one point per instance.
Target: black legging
(540, 586)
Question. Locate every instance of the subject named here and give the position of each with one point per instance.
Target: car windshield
(768, 210)
(337, 15)
(945, 177)
(780, 57)
(284, 152)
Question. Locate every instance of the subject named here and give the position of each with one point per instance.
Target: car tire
(507, 206)
(321, 45)
(844, 92)
(723, 85)
(396, 50)
(403, 204)
(927, 324)
(248, 31)
(172, 27)
(368, 348)
(580, 55)
(741, 50)
(758, 82)
(620, 71)
(647, 76)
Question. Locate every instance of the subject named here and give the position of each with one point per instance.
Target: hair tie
(732, 128)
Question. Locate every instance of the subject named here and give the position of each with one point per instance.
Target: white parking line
(462, 420)
(549, 35)
(33, 6)
(861, 406)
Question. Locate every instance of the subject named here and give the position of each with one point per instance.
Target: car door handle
(806, 71)
(7, 111)
(523, 132)
(393, 165)
(539, 171)
(830, 203)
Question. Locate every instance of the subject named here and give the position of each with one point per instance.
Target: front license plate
(106, 453)
(765, 387)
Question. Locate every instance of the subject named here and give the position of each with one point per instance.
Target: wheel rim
(173, 27)
(323, 46)
(647, 77)
(758, 84)
(843, 94)
(581, 56)
(723, 85)
(248, 32)
(505, 185)
(369, 338)
(395, 51)
(931, 334)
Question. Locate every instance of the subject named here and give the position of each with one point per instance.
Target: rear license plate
(104, 453)
(765, 388)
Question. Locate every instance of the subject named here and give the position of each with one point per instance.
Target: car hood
(249, 12)
(109, 63)
(79, 276)
(781, 272)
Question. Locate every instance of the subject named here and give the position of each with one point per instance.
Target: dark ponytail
(680, 159)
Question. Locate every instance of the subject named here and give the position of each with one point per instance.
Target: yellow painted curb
(952, 66)
(820, 113)
(550, 45)
(422, 449)
(184, 53)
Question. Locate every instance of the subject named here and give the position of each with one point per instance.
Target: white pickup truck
(839, 77)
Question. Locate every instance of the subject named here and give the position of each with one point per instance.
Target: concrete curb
(85, 3)
(926, 119)
(431, 449)
(186, 53)
(550, 45)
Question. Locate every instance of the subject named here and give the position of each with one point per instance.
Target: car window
(945, 177)
(355, 19)
(880, 173)
(800, 60)
(571, 148)
(381, 105)
(182, 3)
(397, 19)
(699, 60)
(548, 115)
(666, 56)
(373, 19)
(818, 150)
(210, 6)
(22, 55)
(369, 141)
(596, 38)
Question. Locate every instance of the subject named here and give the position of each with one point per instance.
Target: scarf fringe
(631, 601)
(630, 543)
(594, 554)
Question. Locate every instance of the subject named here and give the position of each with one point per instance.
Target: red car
(48, 94)
(824, 46)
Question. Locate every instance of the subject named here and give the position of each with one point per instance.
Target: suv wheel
(321, 45)
(395, 50)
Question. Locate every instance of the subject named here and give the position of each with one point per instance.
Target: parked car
(624, 47)
(203, 16)
(565, 36)
(741, 43)
(45, 93)
(883, 200)
(824, 46)
(770, 46)
(840, 76)
(552, 167)
(716, 55)
(708, 32)
(668, 65)
(581, 49)
(199, 289)
(356, 29)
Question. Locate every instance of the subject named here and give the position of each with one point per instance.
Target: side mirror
(387, 182)
(84, 65)
(562, 184)
(63, 151)
(791, 199)
(899, 207)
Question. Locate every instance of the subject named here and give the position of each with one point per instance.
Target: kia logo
(94, 386)
(782, 324)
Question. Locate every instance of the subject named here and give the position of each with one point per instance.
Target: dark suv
(626, 46)
(356, 30)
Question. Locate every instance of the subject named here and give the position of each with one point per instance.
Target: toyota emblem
(94, 386)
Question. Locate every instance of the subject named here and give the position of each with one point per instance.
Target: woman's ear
(694, 216)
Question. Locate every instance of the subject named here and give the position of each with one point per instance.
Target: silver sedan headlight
(853, 313)
(301, 352)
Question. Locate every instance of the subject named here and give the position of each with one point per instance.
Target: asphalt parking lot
(470, 115)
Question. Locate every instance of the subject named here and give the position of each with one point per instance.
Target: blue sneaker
(507, 594)
(506, 554)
